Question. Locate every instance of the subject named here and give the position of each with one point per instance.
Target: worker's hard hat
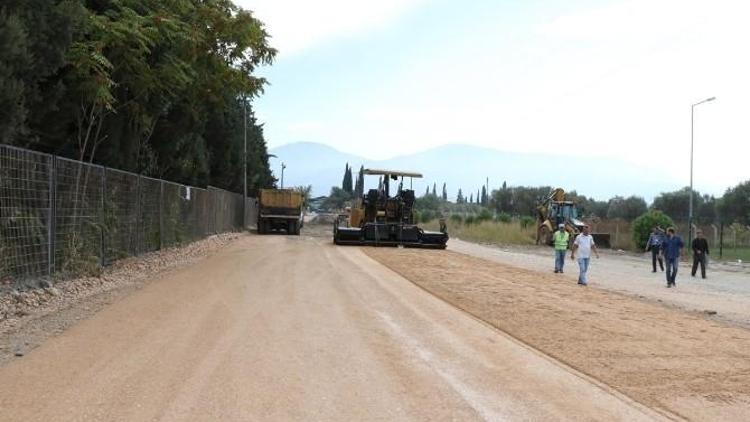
(561, 225)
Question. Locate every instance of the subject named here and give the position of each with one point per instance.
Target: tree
(677, 203)
(460, 197)
(626, 208)
(305, 191)
(347, 184)
(427, 192)
(471, 198)
(336, 199)
(484, 200)
(734, 206)
(643, 225)
(445, 193)
(120, 83)
(360, 186)
(434, 189)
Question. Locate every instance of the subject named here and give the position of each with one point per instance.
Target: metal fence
(64, 216)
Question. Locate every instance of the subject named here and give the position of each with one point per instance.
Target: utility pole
(283, 167)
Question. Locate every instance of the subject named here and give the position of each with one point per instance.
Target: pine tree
(445, 192)
(347, 185)
(471, 198)
(477, 196)
(434, 189)
(484, 196)
(460, 197)
(427, 192)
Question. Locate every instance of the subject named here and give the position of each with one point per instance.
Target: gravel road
(293, 328)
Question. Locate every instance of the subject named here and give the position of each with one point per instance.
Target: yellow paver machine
(379, 219)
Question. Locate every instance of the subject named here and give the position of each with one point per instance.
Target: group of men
(668, 247)
(665, 246)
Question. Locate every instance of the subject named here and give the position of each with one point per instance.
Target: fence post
(161, 214)
(721, 241)
(51, 215)
(137, 222)
(103, 222)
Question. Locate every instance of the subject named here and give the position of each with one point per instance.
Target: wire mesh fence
(63, 216)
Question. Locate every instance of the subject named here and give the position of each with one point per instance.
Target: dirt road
(687, 363)
(249, 334)
(726, 291)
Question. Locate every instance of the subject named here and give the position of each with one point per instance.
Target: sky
(584, 79)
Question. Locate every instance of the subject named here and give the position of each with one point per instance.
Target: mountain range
(468, 167)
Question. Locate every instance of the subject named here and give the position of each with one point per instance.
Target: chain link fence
(63, 216)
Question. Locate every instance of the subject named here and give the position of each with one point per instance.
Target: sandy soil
(29, 317)
(726, 291)
(294, 328)
(684, 363)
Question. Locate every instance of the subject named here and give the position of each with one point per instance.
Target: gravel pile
(18, 306)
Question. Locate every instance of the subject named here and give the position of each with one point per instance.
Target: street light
(690, 211)
(283, 166)
(244, 167)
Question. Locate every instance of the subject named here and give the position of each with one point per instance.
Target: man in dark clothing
(672, 247)
(654, 245)
(700, 250)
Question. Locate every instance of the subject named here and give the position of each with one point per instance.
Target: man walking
(700, 250)
(560, 238)
(654, 245)
(672, 250)
(584, 244)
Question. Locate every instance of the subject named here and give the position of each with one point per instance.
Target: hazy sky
(580, 78)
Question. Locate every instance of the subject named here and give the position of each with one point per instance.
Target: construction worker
(700, 253)
(561, 239)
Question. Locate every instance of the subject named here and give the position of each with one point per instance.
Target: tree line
(158, 87)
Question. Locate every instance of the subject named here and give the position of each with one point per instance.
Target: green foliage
(305, 191)
(456, 219)
(527, 222)
(470, 219)
(626, 208)
(735, 205)
(426, 216)
(484, 215)
(151, 86)
(503, 217)
(643, 225)
(337, 199)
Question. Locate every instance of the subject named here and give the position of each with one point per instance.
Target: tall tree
(471, 198)
(485, 200)
(445, 192)
(460, 197)
(734, 206)
(434, 189)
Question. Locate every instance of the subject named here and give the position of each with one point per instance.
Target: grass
(732, 254)
(496, 233)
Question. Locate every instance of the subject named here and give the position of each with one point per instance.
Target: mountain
(467, 167)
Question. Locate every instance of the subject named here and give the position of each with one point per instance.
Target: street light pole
(690, 208)
(244, 168)
(283, 166)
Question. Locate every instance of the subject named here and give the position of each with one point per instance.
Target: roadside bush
(484, 215)
(527, 222)
(503, 218)
(470, 219)
(456, 218)
(426, 216)
(642, 226)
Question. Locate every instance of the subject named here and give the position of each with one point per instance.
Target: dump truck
(379, 219)
(280, 209)
(555, 209)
